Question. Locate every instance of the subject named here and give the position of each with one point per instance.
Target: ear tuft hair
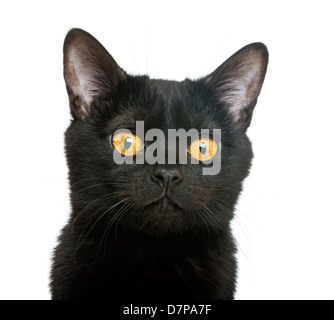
(90, 72)
(238, 82)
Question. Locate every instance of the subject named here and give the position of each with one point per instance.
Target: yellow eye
(127, 143)
(203, 149)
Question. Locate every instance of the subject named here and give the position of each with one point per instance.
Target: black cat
(143, 231)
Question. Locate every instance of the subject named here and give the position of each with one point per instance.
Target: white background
(285, 218)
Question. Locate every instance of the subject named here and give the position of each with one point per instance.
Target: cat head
(107, 104)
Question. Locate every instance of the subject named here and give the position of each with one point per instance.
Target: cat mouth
(164, 203)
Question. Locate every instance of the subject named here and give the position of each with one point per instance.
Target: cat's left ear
(91, 74)
(238, 82)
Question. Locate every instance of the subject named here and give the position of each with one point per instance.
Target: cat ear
(90, 72)
(238, 81)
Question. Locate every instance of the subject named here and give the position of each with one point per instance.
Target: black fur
(118, 246)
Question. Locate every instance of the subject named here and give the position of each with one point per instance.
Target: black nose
(166, 177)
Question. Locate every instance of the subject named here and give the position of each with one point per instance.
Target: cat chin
(161, 218)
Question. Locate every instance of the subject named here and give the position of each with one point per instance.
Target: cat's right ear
(91, 74)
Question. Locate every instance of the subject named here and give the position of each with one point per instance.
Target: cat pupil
(128, 143)
(202, 148)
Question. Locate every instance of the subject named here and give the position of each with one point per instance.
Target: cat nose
(166, 177)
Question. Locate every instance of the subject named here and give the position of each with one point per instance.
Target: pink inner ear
(81, 79)
(238, 81)
(90, 71)
(245, 90)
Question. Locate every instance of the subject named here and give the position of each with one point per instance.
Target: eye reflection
(203, 149)
(127, 144)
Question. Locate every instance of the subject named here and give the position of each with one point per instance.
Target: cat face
(160, 198)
